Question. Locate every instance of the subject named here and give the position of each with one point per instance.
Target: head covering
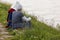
(16, 6)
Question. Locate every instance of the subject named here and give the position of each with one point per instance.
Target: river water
(47, 11)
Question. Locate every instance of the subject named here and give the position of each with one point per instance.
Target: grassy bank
(3, 12)
(38, 30)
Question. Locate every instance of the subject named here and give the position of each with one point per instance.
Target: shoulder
(18, 12)
(11, 10)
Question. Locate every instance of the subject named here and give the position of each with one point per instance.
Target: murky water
(47, 11)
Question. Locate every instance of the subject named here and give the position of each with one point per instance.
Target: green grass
(38, 30)
(3, 12)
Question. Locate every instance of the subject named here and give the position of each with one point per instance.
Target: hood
(16, 6)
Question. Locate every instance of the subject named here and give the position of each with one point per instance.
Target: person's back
(17, 17)
(18, 20)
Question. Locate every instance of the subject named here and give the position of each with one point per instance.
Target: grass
(38, 30)
(3, 12)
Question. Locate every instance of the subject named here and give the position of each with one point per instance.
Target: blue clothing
(17, 21)
(10, 16)
(9, 20)
(17, 17)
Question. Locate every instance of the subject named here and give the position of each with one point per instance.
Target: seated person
(18, 18)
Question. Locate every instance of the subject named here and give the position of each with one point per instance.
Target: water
(47, 11)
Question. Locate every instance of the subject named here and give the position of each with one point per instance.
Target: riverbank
(39, 30)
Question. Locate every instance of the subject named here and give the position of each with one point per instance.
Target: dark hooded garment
(17, 21)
